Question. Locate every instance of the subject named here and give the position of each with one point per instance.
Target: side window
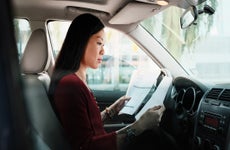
(122, 57)
(22, 33)
(57, 31)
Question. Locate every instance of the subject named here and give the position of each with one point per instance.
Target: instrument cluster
(187, 95)
(188, 99)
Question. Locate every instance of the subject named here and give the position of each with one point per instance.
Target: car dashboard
(197, 116)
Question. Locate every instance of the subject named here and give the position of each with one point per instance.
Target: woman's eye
(99, 43)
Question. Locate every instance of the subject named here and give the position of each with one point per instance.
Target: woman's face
(94, 50)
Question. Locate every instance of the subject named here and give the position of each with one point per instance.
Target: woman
(74, 102)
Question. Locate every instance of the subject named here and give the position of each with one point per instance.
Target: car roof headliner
(113, 12)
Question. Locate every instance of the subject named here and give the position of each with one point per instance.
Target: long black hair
(73, 48)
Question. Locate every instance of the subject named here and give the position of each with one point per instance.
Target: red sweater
(80, 116)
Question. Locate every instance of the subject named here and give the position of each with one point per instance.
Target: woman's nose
(102, 52)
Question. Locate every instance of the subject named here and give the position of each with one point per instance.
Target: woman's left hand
(118, 105)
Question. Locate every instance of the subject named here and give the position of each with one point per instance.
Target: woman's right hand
(151, 118)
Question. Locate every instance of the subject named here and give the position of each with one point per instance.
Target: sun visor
(72, 12)
(134, 12)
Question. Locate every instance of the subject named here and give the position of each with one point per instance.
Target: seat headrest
(35, 55)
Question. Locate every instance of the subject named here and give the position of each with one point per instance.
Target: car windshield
(203, 49)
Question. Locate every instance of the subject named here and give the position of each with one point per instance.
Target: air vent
(225, 96)
(214, 93)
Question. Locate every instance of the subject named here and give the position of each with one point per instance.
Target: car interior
(171, 52)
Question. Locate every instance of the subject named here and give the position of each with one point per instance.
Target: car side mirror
(188, 17)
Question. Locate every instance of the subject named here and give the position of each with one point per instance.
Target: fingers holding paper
(151, 118)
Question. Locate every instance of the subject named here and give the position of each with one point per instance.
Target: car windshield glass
(203, 49)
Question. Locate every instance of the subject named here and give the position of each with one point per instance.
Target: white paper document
(158, 96)
(140, 84)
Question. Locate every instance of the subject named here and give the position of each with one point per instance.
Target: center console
(212, 127)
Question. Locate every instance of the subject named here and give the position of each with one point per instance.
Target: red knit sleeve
(80, 117)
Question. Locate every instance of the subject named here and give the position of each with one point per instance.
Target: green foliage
(166, 29)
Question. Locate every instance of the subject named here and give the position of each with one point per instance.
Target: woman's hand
(117, 105)
(151, 118)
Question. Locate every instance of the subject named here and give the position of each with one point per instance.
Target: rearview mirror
(188, 17)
